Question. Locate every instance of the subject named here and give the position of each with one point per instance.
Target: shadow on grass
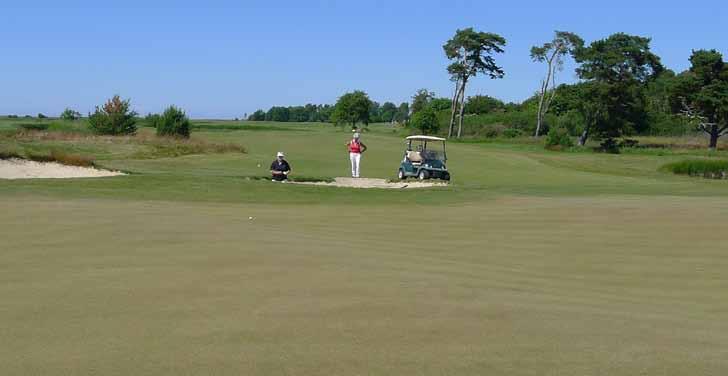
(297, 179)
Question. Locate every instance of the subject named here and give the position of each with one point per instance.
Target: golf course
(350, 188)
(529, 262)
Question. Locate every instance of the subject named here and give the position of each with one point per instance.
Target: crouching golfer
(280, 168)
(356, 149)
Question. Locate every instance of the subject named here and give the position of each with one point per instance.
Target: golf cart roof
(425, 138)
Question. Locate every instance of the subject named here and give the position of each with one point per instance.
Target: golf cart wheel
(423, 175)
(401, 175)
(446, 177)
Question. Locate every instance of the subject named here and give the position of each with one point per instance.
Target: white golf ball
(250, 218)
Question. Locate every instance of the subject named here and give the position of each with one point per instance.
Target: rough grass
(149, 145)
(9, 154)
(708, 168)
(175, 146)
(34, 126)
(57, 156)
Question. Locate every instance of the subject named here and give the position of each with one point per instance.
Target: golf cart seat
(414, 156)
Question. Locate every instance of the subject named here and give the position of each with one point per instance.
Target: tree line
(386, 112)
(623, 90)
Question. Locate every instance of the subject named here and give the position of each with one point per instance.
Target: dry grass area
(154, 146)
(694, 142)
(56, 156)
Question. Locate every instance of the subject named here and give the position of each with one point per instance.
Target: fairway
(530, 263)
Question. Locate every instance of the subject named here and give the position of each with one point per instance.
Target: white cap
(280, 154)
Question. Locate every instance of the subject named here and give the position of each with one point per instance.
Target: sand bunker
(24, 169)
(377, 183)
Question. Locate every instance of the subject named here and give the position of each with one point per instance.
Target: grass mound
(145, 145)
(713, 169)
(9, 154)
(58, 156)
(164, 147)
(34, 126)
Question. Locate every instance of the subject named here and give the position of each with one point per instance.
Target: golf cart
(424, 159)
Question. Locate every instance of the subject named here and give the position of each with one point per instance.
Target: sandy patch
(24, 169)
(376, 183)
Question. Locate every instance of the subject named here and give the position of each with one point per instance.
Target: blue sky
(225, 58)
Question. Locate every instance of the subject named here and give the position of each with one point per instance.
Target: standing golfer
(356, 149)
(280, 168)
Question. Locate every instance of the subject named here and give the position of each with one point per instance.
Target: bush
(425, 120)
(69, 114)
(558, 138)
(491, 130)
(572, 121)
(716, 169)
(477, 125)
(34, 126)
(670, 125)
(12, 116)
(113, 118)
(629, 143)
(257, 116)
(173, 122)
(41, 116)
(608, 145)
(483, 104)
(512, 132)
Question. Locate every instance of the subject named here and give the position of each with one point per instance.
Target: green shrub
(609, 145)
(69, 114)
(670, 125)
(558, 138)
(476, 125)
(629, 143)
(572, 121)
(491, 130)
(512, 132)
(41, 116)
(113, 118)
(699, 167)
(425, 121)
(173, 122)
(34, 126)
